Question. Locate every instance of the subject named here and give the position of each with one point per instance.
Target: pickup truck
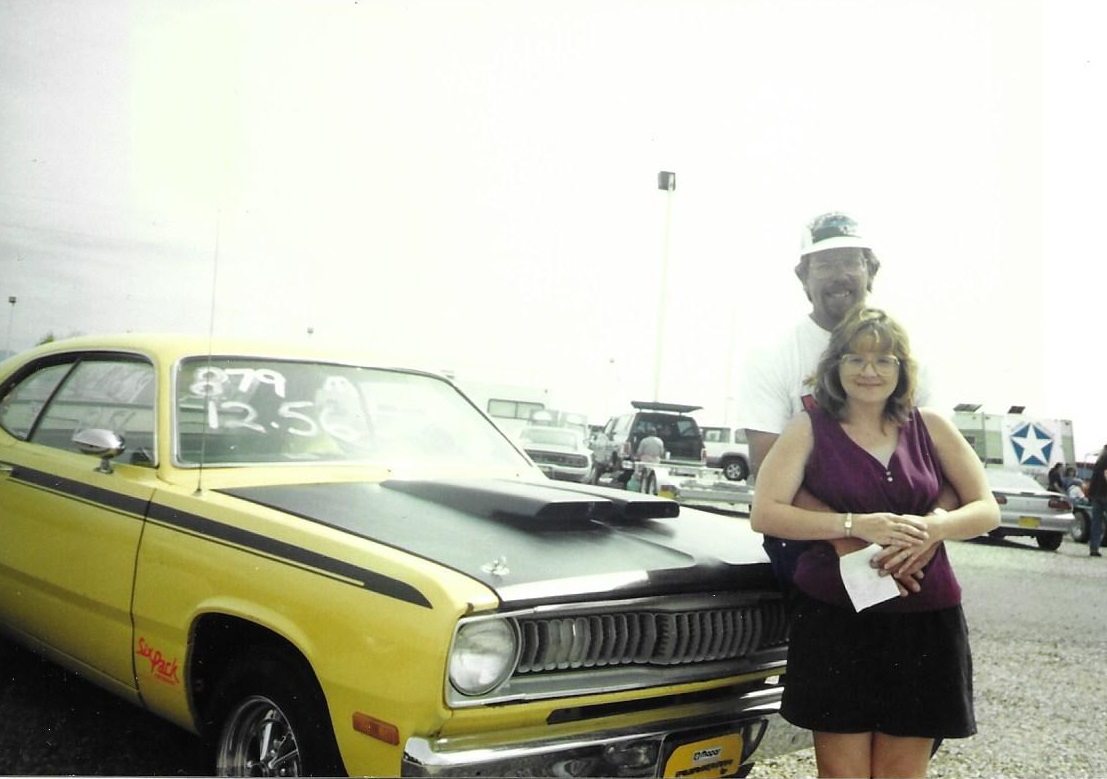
(614, 448)
(683, 474)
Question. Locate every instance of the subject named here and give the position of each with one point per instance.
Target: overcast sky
(472, 185)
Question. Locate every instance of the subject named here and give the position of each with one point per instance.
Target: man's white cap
(833, 230)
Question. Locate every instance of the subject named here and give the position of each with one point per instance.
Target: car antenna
(211, 337)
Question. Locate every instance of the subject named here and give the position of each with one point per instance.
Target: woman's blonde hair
(884, 335)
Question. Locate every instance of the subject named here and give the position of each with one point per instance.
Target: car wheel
(736, 469)
(1080, 528)
(1050, 542)
(269, 718)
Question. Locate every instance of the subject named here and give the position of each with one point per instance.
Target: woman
(878, 686)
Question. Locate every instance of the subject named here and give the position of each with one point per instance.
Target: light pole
(666, 181)
(11, 318)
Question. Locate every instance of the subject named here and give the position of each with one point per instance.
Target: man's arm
(761, 442)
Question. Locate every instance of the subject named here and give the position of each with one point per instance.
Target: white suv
(727, 449)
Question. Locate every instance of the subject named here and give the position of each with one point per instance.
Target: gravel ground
(1039, 644)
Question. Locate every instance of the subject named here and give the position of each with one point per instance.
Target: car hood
(532, 542)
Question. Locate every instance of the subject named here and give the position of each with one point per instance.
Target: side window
(21, 406)
(115, 394)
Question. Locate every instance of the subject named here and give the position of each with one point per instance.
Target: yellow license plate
(711, 757)
(1029, 522)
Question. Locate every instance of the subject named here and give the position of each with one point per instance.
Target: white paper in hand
(865, 585)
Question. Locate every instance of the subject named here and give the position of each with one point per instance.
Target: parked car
(614, 448)
(727, 450)
(559, 451)
(1028, 509)
(326, 567)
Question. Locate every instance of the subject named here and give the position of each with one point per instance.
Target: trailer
(1016, 440)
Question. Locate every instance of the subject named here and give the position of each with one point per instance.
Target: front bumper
(565, 472)
(701, 746)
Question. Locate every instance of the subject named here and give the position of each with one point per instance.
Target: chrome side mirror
(101, 443)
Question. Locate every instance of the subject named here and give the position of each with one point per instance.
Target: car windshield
(242, 410)
(550, 436)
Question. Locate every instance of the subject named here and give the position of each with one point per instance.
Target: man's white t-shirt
(651, 449)
(773, 385)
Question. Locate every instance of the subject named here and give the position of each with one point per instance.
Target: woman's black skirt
(906, 674)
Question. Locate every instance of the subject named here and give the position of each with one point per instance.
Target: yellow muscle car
(328, 567)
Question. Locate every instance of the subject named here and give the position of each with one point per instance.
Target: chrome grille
(649, 637)
(558, 458)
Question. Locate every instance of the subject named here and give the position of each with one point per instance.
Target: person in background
(1097, 496)
(836, 269)
(877, 686)
(1055, 481)
(1070, 478)
(651, 449)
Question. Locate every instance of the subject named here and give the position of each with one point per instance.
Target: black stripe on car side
(207, 528)
(86, 492)
(370, 580)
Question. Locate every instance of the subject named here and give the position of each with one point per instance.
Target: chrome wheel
(257, 740)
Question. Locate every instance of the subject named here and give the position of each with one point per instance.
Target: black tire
(735, 469)
(1081, 527)
(272, 689)
(1050, 542)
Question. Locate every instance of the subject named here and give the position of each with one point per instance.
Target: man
(1097, 494)
(836, 268)
(651, 449)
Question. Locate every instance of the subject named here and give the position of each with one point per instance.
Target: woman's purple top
(846, 477)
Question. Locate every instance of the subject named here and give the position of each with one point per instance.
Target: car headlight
(483, 655)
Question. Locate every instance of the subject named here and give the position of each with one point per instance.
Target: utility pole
(666, 181)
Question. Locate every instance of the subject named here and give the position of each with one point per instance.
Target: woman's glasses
(884, 364)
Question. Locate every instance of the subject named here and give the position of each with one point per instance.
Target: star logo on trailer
(1033, 445)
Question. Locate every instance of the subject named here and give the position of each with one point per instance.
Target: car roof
(170, 347)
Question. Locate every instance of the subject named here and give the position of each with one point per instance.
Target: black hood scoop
(549, 506)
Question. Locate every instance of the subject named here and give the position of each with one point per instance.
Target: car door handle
(6, 467)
